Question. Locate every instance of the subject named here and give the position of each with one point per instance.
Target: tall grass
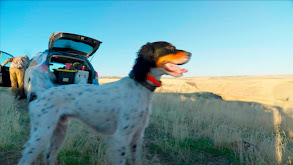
(186, 127)
(9, 120)
(186, 117)
(13, 132)
(83, 146)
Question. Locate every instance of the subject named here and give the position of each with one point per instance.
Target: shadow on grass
(203, 150)
(196, 151)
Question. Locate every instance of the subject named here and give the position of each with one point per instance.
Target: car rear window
(56, 65)
(79, 46)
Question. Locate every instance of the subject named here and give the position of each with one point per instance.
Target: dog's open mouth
(174, 69)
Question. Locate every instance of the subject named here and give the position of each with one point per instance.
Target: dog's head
(162, 55)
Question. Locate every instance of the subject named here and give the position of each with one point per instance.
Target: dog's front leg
(118, 147)
(136, 147)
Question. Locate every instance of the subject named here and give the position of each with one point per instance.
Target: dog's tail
(38, 83)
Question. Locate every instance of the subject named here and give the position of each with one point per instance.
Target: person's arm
(6, 61)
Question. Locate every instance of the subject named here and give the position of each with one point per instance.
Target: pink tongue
(174, 68)
(184, 70)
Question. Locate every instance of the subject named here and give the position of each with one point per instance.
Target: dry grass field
(271, 90)
(254, 110)
(205, 120)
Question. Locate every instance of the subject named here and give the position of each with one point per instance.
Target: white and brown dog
(119, 110)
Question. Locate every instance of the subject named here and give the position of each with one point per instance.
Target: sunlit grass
(12, 128)
(186, 127)
(224, 123)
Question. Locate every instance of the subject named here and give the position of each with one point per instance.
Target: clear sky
(226, 38)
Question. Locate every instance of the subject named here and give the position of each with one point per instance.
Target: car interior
(70, 70)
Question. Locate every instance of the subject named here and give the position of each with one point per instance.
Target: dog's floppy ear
(144, 62)
(147, 50)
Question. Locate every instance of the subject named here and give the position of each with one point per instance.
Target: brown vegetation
(206, 120)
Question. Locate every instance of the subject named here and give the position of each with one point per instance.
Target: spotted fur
(119, 110)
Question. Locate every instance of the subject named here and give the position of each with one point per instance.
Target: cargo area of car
(70, 70)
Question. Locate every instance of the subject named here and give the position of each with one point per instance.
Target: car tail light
(44, 67)
(96, 75)
(96, 79)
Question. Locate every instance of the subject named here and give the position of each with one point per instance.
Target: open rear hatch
(73, 43)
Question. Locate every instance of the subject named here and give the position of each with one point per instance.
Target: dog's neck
(156, 73)
(153, 79)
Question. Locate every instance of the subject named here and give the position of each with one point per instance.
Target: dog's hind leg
(39, 138)
(42, 127)
(56, 141)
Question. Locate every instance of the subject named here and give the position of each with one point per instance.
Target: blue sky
(226, 38)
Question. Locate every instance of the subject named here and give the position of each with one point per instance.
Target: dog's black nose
(189, 54)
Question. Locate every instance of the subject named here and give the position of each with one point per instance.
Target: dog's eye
(172, 48)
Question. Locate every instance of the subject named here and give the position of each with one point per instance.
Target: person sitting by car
(16, 72)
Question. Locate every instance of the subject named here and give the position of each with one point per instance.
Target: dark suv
(65, 62)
